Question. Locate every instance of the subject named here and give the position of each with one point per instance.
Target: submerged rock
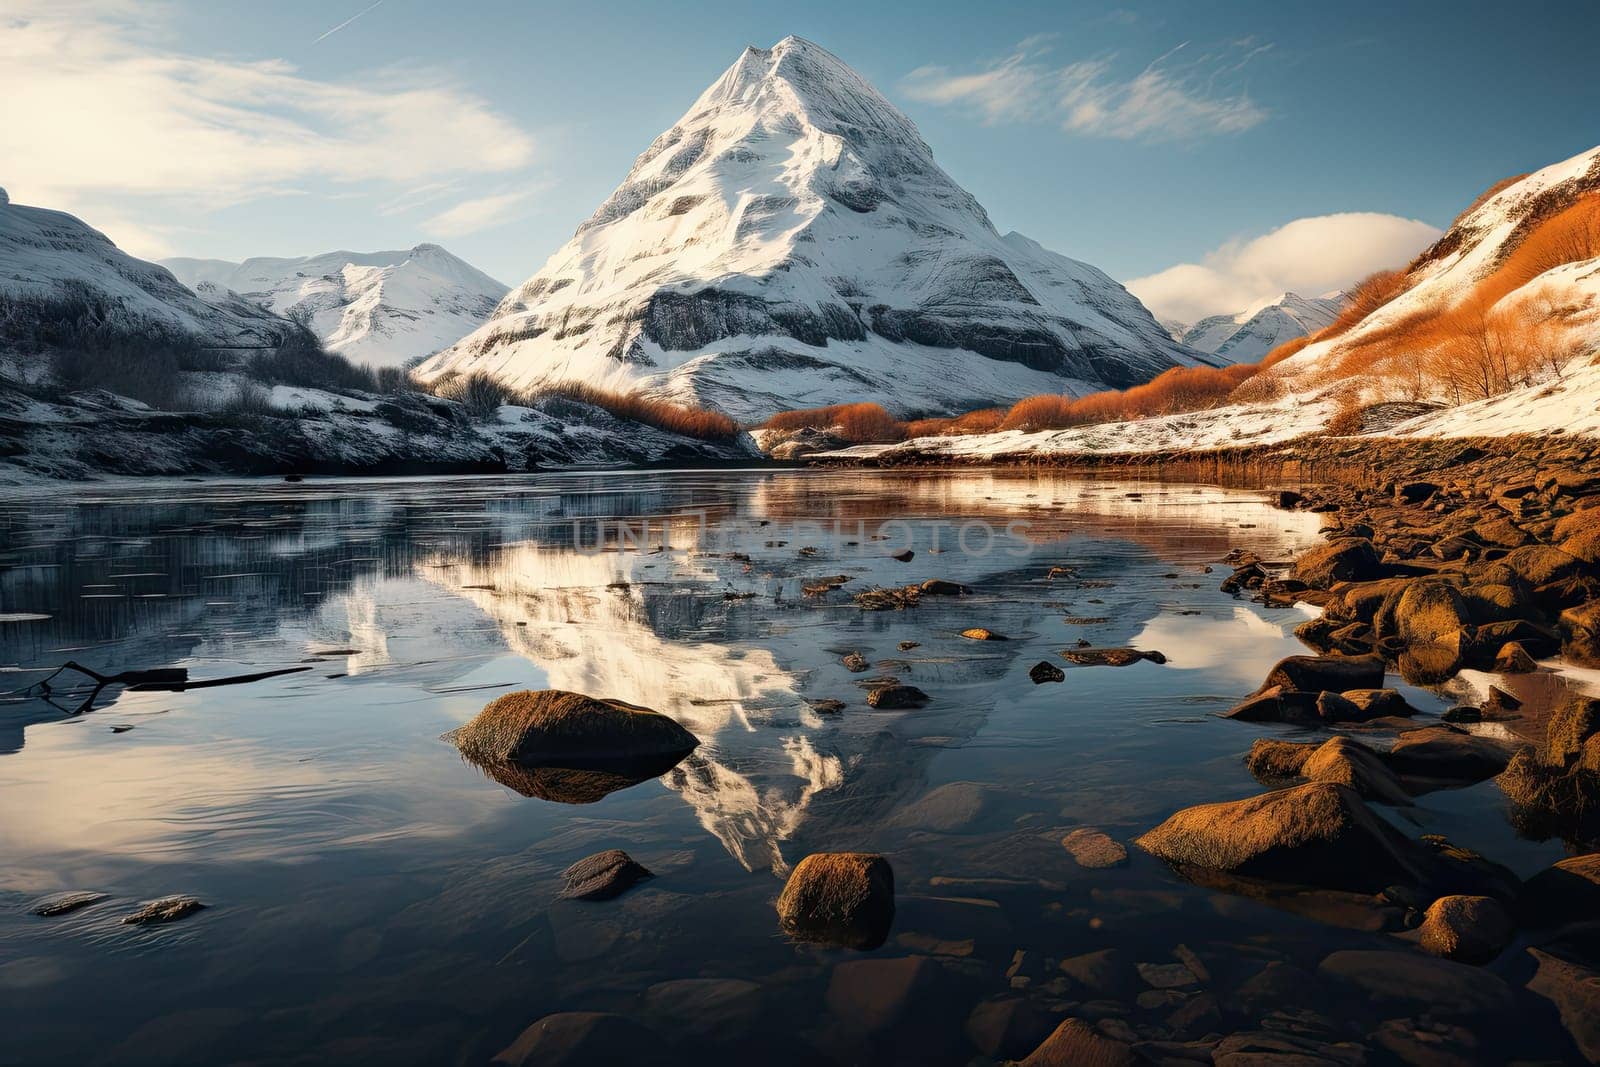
(839, 898)
(1319, 834)
(856, 663)
(1409, 981)
(1447, 753)
(165, 910)
(1094, 849)
(66, 903)
(1574, 990)
(941, 587)
(574, 1038)
(602, 876)
(978, 633)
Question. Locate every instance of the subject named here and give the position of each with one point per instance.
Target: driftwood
(160, 679)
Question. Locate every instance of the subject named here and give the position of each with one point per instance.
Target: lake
(371, 896)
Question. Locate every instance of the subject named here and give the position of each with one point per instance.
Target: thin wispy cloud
(1182, 95)
(1309, 256)
(346, 22)
(97, 107)
(479, 213)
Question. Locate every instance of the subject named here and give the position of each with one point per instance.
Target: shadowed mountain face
(791, 242)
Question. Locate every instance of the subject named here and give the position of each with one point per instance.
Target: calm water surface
(373, 897)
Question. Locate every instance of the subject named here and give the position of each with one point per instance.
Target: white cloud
(97, 107)
(1168, 100)
(480, 213)
(1309, 256)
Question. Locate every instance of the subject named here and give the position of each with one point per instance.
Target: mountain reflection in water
(321, 809)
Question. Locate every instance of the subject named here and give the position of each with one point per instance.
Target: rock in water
(165, 910)
(584, 1039)
(839, 898)
(978, 633)
(1465, 928)
(1316, 674)
(1093, 849)
(553, 727)
(66, 903)
(1045, 671)
(1346, 559)
(1568, 892)
(602, 876)
(897, 697)
(1319, 834)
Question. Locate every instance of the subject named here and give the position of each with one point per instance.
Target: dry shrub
(480, 394)
(1569, 236)
(1347, 420)
(1177, 390)
(699, 423)
(984, 420)
(862, 424)
(1365, 297)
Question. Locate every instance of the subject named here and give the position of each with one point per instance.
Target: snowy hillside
(1470, 262)
(791, 242)
(1252, 333)
(42, 252)
(381, 308)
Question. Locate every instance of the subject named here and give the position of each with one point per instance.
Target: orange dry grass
(698, 423)
(859, 423)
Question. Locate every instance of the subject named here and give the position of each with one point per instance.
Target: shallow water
(372, 896)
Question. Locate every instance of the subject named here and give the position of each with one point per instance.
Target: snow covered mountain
(1252, 333)
(381, 308)
(44, 253)
(791, 242)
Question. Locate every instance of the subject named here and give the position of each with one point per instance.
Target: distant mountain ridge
(381, 308)
(1250, 334)
(43, 253)
(791, 242)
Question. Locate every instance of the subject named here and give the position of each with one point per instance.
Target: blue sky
(228, 129)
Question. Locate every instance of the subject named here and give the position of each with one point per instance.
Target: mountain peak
(791, 241)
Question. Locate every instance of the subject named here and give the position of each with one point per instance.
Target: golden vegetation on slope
(483, 396)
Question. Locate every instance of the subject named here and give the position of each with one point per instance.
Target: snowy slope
(42, 251)
(1469, 252)
(382, 308)
(791, 242)
(1252, 333)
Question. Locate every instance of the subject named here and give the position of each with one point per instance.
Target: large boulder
(1347, 762)
(839, 898)
(1444, 753)
(1565, 893)
(1578, 535)
(1316, 674)
(1320, 834)
(1470, 929)
(554, 727)
(1428, 610)
(1344, 559)
(1542, 565)
(1573, 723)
